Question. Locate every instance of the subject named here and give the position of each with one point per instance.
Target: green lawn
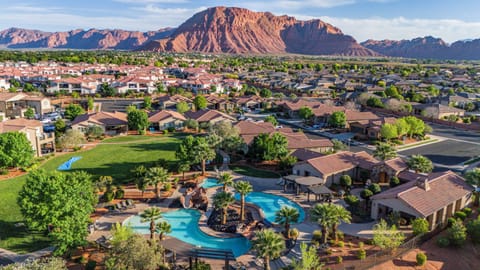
(115, 160)
(249, 171)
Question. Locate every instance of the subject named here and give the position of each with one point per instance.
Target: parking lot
(448, 152)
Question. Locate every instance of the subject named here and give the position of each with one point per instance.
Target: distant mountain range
(241, 31)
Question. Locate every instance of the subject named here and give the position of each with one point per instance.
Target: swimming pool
(185, 227)
(67, 164)
(270, 204)
(210, 183)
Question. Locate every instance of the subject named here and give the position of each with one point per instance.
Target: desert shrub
(317, 235)
(443, 242)
(375, 188)
(450, 221)
(361, 245)
(109, 195)
(421, 259)
(168, 186)
(329, 251)
(361, 254)
(461, 215)
(165, 132)
(420, 226)
(467, 211)
(341, 244)
(394, 181)
(352, 200)
(340, 235)
(339, 259)
(119, 193)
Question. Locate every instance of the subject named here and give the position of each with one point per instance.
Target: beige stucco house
(165, 119)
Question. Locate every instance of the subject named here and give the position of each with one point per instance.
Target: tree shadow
(23, 239)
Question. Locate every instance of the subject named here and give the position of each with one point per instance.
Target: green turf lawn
(249, 171)
(116, 160)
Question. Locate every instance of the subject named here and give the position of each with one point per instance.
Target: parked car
(48, 128)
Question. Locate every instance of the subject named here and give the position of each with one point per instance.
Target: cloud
(287, 5)
(152, 1)
(405, 28)
(29, 8)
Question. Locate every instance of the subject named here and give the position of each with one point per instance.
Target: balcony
(46, 137)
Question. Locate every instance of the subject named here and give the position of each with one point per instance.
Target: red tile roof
(102, 118)
(165, 114)
(342, 161)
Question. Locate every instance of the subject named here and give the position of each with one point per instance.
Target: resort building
(166, 119)
(111, 123)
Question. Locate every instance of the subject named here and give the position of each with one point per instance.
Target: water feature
(210, 183)
(68, 164)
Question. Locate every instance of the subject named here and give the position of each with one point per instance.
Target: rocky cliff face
(238, 30)
(79, 39)
(426, 47)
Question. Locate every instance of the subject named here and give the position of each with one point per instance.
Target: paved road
(456, 134)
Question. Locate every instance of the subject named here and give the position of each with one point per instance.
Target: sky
(450, 20)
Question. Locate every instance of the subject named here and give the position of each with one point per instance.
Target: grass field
(249, 171)
(116, 160)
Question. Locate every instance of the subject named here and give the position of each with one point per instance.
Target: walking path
(19, 258)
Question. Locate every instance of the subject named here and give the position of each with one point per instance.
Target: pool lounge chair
(130, 203)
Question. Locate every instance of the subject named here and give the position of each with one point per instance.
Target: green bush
(461, 215)
(361, 245)
(317, 235)
(457, 234)
(340, 235)
(171, 129)
(420, 226)
(443, 242)
(394, 181)
(119, 193)
(340, 244)
(109, 195)
(3, 171)
(352, 200)
(91, 265)
(165, 132)
(375, 188)
(362, 254)
(339, 259)
(167, 186)
(450, 221)
(467, 211)
(421, 259)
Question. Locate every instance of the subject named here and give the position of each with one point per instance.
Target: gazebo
(319, 191)
(301, 182)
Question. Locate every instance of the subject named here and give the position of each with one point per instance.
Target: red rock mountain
(79, 39)
(238, 30)
(427, 48)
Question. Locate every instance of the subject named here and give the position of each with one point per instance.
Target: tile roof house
(170, 102)
(210, 116)
(331, 167)
(42, 142)
(111, 123)
(166, 119)
(435, 197)
(436, 110)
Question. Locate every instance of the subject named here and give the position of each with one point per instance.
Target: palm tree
(285, 216)
(225, 179)
(162, 228)
(268, 245)
(384, 151)
(341, 215)
(151, 215)
(222, 201)
(156, 176)
(419, 163)
(243, 188)
(324, 215)
(473, 178)
(139, 174)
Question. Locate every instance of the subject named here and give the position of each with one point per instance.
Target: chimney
(422, 182)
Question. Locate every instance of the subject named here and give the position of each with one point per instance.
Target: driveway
(362, 230)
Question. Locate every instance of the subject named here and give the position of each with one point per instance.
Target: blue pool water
(210, 183)
(185, 227)
(270, 204)
(67, 164)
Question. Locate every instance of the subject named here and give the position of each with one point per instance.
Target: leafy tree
(308, 260)
(394, 181)
(473, 229)
(433, 91)
(222, 201)
(385, 237)
(388, 131)
(52, 263)
(29, 113)
(137, 120)
(15, 150)
(191, 124)
(134, 253)
(268, 245)
(366, 194)
(185, 150)
(392, 91)
(73, 110)
(271, 119)
(416, 126)
(225, 179)
(202, 152)
(402, 126)
(200, 102)
(183, 167)
(345, 181)
(266, 147)
(285, 216)
(420, 226)
(151, 215)
(324, 215)
(182, 107)
(457, 233)
(60, 202)
(340, 214)
(338, 145)
(419, 163)
(94, 132)
(375, 188)
(156, 176)
(473, 178)
(243, 188)
(106, 90)
(287, 163)
(265, 93)
(337, 119)
(71, 139)
(375, 102)
(147, 103)
(305, 113)
(90, 103)
(352, 200)
(384, 151)
(60, 128)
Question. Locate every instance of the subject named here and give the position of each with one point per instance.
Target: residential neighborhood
(329, 160)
